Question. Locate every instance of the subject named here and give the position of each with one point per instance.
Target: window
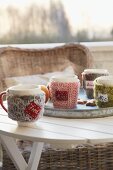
(46, 21)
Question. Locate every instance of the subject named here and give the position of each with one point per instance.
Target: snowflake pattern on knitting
(26, 108)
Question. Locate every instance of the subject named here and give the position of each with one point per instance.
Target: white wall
(102, 54)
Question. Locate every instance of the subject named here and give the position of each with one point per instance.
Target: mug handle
(1, 100)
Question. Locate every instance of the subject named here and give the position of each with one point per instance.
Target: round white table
(57, 131)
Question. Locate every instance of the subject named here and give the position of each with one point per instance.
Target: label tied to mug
(103, 97)
(89, 84)
(32, 110)
(61, 95)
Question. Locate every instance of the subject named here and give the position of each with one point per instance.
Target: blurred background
(48, 21)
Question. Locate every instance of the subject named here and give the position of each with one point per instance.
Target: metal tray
(81, 111)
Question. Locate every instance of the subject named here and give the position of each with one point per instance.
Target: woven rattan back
(21, 61)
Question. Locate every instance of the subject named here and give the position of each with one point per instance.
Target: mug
(103, 91)
(64, 91)
(88, 77)
(25, 103)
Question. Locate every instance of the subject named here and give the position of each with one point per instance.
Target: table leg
(35, 156)
(10, 145)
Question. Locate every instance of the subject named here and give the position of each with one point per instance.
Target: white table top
(60, 130)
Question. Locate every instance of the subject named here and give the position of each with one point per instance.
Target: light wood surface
(60, 130)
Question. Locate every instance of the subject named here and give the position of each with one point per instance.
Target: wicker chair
(21, 61)
(33, 61)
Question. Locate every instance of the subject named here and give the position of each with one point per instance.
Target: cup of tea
(88, 77)
(103, 91)
(64, 91)
(25, 103)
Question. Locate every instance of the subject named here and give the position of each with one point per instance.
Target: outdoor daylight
(56, 84)
(41, 21)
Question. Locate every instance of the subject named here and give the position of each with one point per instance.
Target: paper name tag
(89, 84)
(103, 97)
